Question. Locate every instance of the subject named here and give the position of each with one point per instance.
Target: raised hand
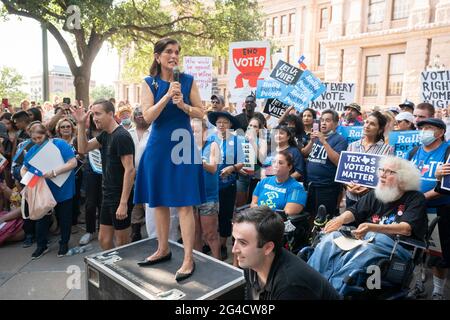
(79, 114)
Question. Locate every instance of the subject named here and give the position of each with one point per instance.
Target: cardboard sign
(95, 160)
(435, 88)
(249, 157)
(201, 69)
(404, 141)
(359, 168)
(275, 108)
(335, 97)
(286, 73)
(352, 134)
(248, 62)
(445, 182)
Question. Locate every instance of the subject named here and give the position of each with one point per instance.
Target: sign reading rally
(335, 97)
(359, 168)
(404, 141)
(275, 108)
(352, 134)
(249, 62)
(202, 71)
(436, 87)
(291, 86)
(286, 73)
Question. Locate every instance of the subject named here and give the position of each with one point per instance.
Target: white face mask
(427, 137)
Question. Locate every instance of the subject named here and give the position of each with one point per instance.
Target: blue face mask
(427, 137)
(126, 122)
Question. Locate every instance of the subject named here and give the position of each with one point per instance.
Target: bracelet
(54, 173)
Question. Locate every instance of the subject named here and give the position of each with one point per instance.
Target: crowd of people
(126, 167)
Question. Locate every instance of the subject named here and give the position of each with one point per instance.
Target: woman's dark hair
(269, 225)
(291, 135)
(312, 111)
(35, 114)
(155, 69)
(289, 159)
(8, 116)
(260, 123)
(382, 121)
(299, 126)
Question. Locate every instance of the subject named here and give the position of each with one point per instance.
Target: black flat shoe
(146, 262)
(179, 276)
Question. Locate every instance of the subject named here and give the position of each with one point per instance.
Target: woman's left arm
(196, 109)
(69, 165)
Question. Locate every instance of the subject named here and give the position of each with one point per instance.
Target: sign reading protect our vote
(404, 141)
(286, 73)
(359, 168)
(275, 108)
(352, 134)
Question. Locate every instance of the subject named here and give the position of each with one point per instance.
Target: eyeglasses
(388, 172)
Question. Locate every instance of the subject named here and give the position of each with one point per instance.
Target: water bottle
(77, 250)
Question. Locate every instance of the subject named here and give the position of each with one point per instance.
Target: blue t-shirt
(276, 195)
(320, 170)
(427, 163)
(211, 180)
(67, 190)
(231, 152)
(299, 161)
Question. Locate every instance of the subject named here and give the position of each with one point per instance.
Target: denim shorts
(208, 208)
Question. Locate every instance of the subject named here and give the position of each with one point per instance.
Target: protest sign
(202, 70)
(270, 89)
(404, 141)
(435, 87)
(249, 157)
(286, 73)
(352, 134)
(95, 160)
(275, 108)
(335, 97)
(249, 62)
(435, 241)
(359, 168)
(445, 183)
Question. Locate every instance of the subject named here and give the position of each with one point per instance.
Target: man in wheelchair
(395, 207)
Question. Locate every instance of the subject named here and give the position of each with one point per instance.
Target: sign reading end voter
(358, 168)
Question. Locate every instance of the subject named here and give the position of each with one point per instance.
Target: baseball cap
(405, 116)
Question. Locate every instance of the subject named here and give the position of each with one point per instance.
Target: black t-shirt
(290, 278)
(410, 208)
(113, 146)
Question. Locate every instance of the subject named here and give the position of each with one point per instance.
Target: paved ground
(52, 278)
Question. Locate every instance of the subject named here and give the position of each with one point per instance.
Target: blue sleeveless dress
(161, 182)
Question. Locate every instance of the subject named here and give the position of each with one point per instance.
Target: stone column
(336, 27)
(354, 23)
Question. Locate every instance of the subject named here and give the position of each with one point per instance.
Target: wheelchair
(396, 275)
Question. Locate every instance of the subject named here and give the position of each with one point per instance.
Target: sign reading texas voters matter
(359, 168)
(249, 62)
(436, 88)
(202, 70)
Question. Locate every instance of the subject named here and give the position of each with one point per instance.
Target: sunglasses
(215, 102)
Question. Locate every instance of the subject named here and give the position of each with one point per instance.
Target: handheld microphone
(176, 74)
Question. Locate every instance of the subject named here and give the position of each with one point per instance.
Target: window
(395, 76)
(372, 75)
(323, 18)
(283, 24)
(275, 26)
(290, 55)
(376, 11)
(268, 27)
(400, 9)
(321, 55)
(292, 22)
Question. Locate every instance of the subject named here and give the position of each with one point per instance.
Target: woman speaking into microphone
(168, 177)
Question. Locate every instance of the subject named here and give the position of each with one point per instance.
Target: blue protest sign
(445, 183)
(313, 83)
(359, 168)
(403, 141)
(270, 89)
(298, 97)
(352, 134)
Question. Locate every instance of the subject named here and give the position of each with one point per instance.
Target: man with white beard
(395, 207)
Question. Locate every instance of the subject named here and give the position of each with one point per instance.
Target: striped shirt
(378, 148)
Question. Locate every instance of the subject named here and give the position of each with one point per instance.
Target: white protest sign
(202, 70)
(249, 62)
(335, 97)
(435, 88)
(95, 160)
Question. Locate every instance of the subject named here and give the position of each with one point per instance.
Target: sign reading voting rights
(359, 168)
(291, 86)
(352, 134)
(403, 141)
(436, 87)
